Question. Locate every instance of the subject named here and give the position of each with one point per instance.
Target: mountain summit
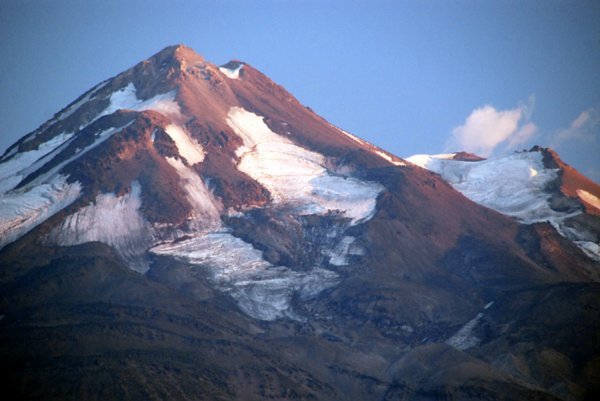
(189, 231)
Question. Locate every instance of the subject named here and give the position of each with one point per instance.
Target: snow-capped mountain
(221, 240)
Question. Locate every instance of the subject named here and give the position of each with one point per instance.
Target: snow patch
(355, 198)
(353, 137)
(188, 147)
(384, 155)
(232, 73)
(589, 198)
(261, 290)
(206, 209)
(296, 176)
(126, 99)
(428, 161)
(394, 160)
(13, 170)
(464, 338)
(113, 220)
(69, 110)
(22, 210)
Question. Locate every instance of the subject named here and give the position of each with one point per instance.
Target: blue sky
(410, 76)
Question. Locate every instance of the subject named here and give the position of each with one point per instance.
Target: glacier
(296, 176)
(514, 185)
(261, 290)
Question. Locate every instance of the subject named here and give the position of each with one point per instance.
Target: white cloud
(487, 128)
(586, 128)
(523, 134)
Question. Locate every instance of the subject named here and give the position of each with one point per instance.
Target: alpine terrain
(185, 231)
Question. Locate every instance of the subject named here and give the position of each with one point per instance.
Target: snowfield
(126, 99)
(206, 209)
(23, 210)
(187, 146)
(77, 105)
(379, 152)
(232, 73)
(17, 167)
(394, 160)
(100, 137)
(464, 338)
(296, 176)
(589, 198)
(514, 185)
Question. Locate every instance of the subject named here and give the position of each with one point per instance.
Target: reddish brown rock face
(467, 157)
(571, 182)
(275, 257)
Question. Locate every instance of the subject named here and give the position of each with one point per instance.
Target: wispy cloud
(584, 128)
(486, 128)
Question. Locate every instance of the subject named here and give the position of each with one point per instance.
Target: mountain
(187, 231)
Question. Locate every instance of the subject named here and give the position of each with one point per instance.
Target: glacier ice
(514, 185)
(24, 209)
(261, 290)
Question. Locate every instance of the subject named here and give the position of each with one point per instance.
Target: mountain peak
(176, 54)
(179, 51)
